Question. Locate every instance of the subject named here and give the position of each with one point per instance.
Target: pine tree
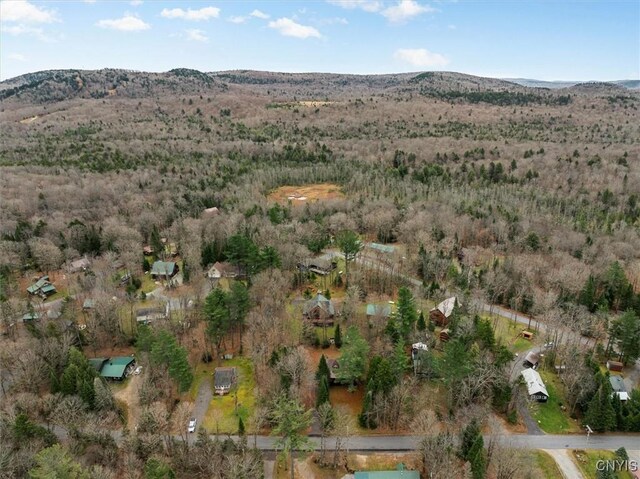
(406, 312)
(323, 392)
(241, 429)
(323, 369)
(601, 415)
(422, 325)
(337, 337)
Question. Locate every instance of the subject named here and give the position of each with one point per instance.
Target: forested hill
(59, 85)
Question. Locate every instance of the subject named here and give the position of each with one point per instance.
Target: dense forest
(526, 199)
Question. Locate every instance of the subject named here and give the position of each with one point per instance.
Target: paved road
(567, 467)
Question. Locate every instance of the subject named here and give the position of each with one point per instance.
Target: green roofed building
(382, 248)
(382, 310)
(98, 363)
(42, 287)
(116, 368)
(399, 473)
(164, 269)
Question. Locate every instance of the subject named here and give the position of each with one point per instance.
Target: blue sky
(548, 40)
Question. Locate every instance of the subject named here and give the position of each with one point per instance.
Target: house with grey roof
(164, 269)
(319, 310)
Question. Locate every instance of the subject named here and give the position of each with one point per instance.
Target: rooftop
(163, 267)
(534, 382)
(115, 367)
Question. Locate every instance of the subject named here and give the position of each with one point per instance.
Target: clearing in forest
(306, 193)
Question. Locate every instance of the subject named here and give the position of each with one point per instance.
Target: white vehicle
(138, 370)
(192, 425)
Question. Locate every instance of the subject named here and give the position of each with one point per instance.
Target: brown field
(306, 193)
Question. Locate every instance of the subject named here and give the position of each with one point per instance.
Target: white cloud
(452, 27)
(135, 3)
(406, 9)
(17, 57)
(289, 28)
(205, 13)
(333, 21)
(89, 1)
(197, 36)
(259, 14)
(366, 5)
(237, 19)
(128, 23)
(27, 30)
(23, 11)
(421, 57)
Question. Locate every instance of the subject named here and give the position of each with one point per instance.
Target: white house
(535, 386)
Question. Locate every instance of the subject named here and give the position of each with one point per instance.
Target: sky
(541, 39)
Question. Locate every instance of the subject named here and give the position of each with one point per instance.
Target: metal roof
(378, 310)
(322, 302)
(115, 367)
(446, 307)
(617, 384)
(163, 268)
(534, 382)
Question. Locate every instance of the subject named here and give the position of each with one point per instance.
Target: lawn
(148, 283)
(510, 334)
(547, 465)
(587, 462)
(221, 415)
(550, 416)
(201, 371)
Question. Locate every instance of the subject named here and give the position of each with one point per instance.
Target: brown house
(319, 311)
(441, 313)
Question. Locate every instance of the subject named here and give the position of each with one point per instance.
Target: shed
(378, 310)
(441, 313)
(618, 387)
(166, 269)
(531, 360)
(224, 379)
(319, 310)
(88, 304)
(614, 365)
(527, 335)
(535, 386)
(116, 368)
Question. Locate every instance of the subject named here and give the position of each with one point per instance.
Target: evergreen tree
(337, 337)
(323, 369)
(601, 416)
(241, 428)
(625, 332)
(406, 312)
(422, 325)
(472, 449)
(350, 245)
(323, 392)
(354, 356)
(55, 462)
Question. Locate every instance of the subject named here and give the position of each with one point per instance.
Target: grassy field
(221, 415)
(550, 416)
(547, 465)
(587, 462)
(510, 333)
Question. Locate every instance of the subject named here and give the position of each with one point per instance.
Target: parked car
(192, 425)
